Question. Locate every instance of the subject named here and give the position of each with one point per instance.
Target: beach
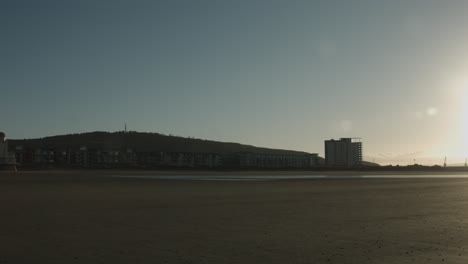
(114, 217)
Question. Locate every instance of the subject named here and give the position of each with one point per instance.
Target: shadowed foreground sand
(89, 217)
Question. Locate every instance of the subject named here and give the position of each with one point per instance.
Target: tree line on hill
(140, 141)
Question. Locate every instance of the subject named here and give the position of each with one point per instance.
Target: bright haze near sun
(279, 74)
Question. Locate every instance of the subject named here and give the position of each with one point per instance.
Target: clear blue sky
(281, 74)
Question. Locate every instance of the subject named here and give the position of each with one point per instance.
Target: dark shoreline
(445, 171)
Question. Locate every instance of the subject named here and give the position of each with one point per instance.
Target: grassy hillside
(144, 142)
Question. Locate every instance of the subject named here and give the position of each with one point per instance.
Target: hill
(142, 142)
(370, 164)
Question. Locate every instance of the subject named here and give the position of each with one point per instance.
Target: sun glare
(464, 122)
(460, 139)
(455, 142)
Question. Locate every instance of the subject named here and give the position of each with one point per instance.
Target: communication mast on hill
(125, 128)
(466, 165)
(445, 162)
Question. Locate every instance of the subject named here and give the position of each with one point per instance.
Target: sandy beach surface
(97, 217)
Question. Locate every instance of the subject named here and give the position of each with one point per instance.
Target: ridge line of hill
(145, 142)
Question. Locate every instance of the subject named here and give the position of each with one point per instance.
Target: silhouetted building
(259, 160)
(3, 145)
(70, 154)
(345, 152)
(44, 155)
(23, 155)
(190, 159)
(6, 158)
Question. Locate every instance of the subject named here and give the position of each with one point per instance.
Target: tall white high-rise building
(345, 152)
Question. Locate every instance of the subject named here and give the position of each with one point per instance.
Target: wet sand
(89, 217)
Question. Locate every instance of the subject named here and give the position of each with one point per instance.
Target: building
(190, 159)
(260, 160)
(7, 160)
(23, 154)
(345, 152)
(3, 145)
(104, 156)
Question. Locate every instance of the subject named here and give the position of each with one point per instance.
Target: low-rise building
(6, 158)
(259, 160)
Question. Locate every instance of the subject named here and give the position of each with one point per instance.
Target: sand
(89, 217)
